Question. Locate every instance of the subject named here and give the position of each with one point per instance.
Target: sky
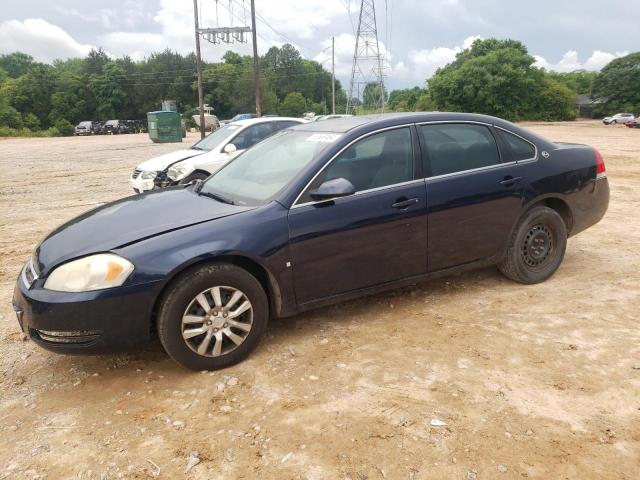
(415, 36)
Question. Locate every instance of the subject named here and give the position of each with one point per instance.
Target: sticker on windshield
(323, 137)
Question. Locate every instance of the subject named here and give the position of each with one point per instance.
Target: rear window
(519, 149)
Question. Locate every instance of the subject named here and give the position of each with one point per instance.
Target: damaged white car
(207, 155)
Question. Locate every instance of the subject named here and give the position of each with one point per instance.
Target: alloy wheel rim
(217, 321)
(537, 246)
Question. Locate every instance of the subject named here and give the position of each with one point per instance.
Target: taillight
(600, 168)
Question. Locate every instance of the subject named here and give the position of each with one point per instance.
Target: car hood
(127, 221)
(162, 162)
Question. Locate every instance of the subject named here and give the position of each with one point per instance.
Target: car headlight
(179, 171)
(95, 272)
(148, 175)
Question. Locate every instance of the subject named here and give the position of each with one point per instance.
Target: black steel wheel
(537, 246)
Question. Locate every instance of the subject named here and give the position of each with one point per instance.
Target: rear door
(474, 192)
(375, 236)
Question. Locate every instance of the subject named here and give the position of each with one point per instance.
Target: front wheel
(212, 317)
(193, 177)
(536, 248)
(613, 122)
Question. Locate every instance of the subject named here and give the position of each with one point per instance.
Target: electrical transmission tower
(367, 66)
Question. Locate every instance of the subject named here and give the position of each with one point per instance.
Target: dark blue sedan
(317, 214)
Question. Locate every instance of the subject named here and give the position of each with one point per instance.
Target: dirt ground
(531, 381)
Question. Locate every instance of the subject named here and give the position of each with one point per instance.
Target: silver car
(622, 118)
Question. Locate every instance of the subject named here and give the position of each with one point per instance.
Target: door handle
(509, 180)
(404, 204)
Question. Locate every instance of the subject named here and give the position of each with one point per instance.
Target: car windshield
(260, 173)
(112, 122)
(214, 139)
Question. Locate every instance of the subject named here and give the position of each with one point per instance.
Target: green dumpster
(165, 126)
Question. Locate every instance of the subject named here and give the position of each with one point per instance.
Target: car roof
(360, 125)
(252, 121)
(346, 124)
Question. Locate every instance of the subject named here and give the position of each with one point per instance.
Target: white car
(208, 155)
(622, 118)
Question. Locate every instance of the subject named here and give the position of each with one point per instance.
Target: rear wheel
(212, 317)
(537, 246)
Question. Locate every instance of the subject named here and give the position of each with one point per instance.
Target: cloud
(570, 61)
(422, 64)
(292, 22)
(40, 39)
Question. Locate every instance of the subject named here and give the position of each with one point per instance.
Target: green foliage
(10, 117)
(619, 83)
(108, 89)
(100, 88)
(16, 64)
(31, 122)
(294, 105)
(404, 100)
(373, 95)
(497, 77)
(424, 103)
(65, 127)
(579, 81)
(555, 101)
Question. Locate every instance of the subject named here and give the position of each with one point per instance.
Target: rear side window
(252, 135)
(457, 147)
(519, 149)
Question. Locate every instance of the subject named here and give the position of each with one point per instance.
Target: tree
(108, 89)
(556, 101)
(373, 95)
(619, 84)
(95, 61)
(294, 105)
(497, 77)
(580, 81)
(16, 64)
(408, 97)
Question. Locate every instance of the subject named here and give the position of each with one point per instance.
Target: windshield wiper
(217, 196)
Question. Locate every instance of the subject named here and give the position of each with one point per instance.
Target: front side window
(378, 160)
(457, 147)
(519, 148)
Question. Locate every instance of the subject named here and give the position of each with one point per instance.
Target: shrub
(64, 127)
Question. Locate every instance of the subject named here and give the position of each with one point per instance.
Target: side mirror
(229, 148)
(336, 188)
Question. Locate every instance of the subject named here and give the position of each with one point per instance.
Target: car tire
(536, 248)
(613, 122)
(193, 177)
(184, 325)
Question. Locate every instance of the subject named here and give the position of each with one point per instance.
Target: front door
(375, 236)
(474, 194)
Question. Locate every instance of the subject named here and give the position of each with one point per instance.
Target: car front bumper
(101, 321)
(161, 180)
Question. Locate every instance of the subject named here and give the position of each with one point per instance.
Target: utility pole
(333, 75)
(256, 65)
(199, 70)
